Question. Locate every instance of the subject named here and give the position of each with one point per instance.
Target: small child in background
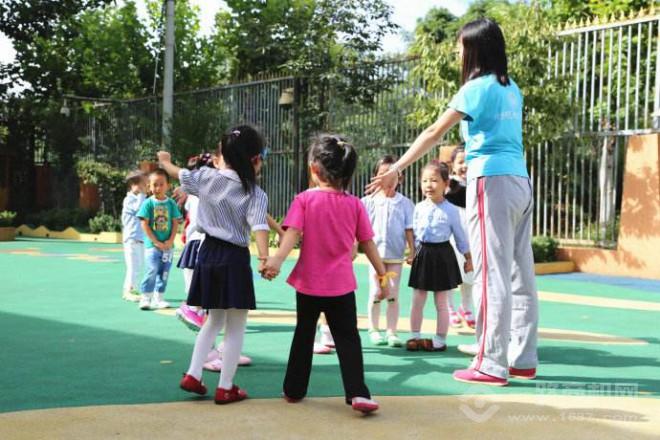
(391, 216)
(330, 221)
(456, 194)
(160, 218)
(435, 267)
(132, 235)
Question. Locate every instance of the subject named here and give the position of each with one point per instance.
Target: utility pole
(168, 84)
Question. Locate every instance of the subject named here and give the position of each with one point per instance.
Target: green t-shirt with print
(160, 214)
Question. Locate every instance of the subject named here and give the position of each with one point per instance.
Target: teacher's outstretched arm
(424, 142)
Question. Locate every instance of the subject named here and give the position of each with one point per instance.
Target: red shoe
(223, 396)
(522, 373)
(473, 376)
(467, 317)
(364, 405)
(290, 399)
(192, 385)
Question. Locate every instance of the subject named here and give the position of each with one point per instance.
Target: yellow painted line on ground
(475, 414)
(428, 326)
(599, 301)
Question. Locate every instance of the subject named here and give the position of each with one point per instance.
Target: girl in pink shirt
(330, 221)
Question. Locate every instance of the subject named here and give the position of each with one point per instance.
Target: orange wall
(638, 248)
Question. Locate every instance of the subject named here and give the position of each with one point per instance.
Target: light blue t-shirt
(131, 229)
(492, 127)
(390, 217)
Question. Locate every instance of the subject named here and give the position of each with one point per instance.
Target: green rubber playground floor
(68, 339)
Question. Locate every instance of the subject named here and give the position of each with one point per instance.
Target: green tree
(564, 10)
(439, 23)
(300, 36)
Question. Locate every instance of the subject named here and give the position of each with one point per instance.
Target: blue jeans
(157, 266)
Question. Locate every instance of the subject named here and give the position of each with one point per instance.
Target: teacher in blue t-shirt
(489, 109)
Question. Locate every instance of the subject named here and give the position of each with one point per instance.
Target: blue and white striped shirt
(225, 210)
(436, 223)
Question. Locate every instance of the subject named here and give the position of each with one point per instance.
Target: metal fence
(614, 74)
(613, 70)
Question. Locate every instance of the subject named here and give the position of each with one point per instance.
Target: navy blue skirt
(222, 278)
(435, 268)
(188, 257)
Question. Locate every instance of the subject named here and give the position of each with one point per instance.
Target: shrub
(59, 219)
(544, 249)
(104, 223)
(7, 218)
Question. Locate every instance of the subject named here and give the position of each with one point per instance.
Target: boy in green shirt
(160, 218)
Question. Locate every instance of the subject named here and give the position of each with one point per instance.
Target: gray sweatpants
(499, 211)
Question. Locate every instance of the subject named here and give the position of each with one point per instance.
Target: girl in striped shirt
(231, 206)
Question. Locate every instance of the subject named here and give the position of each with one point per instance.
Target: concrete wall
(638, 248)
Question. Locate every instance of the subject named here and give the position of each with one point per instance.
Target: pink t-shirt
(330, 222)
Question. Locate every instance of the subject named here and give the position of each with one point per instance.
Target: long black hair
(484, 51)
(335, 157)
(239, 147)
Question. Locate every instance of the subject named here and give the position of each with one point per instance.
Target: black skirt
(188, 257)
(222, 278)
(435, 268)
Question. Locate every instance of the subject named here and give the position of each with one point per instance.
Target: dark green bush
(544, 249)
(104, 223)
(7, 218)
(59, 219)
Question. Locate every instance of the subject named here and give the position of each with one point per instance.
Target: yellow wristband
(383, 279)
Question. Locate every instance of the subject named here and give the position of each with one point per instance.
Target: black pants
(342, 318)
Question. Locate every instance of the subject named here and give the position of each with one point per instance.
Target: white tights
(233, 343)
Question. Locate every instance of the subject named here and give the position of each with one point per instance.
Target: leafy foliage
(544, 249)
(109, 180)
(60, 218)
(104, 223)
(7, 218)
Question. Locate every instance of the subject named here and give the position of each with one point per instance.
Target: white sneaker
(130, 296)
(469, 349)
(376, 338)
(145, 301)
(157, 302)
(326, 337)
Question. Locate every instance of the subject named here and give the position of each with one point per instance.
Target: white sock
(416, 335)
(205, 339)
(439, 341)
(233, 344)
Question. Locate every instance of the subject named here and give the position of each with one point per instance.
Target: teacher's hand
(385, 181)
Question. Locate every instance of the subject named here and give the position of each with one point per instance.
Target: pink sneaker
(189, 317)
(522, 373)
(473, 376)
(454, 319)
(467, 317)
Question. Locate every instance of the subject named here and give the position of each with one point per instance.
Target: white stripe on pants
(504, 286)
(133, 257)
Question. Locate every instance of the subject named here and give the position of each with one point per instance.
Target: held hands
(269, 267)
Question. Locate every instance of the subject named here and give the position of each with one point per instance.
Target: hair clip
(236, 132)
